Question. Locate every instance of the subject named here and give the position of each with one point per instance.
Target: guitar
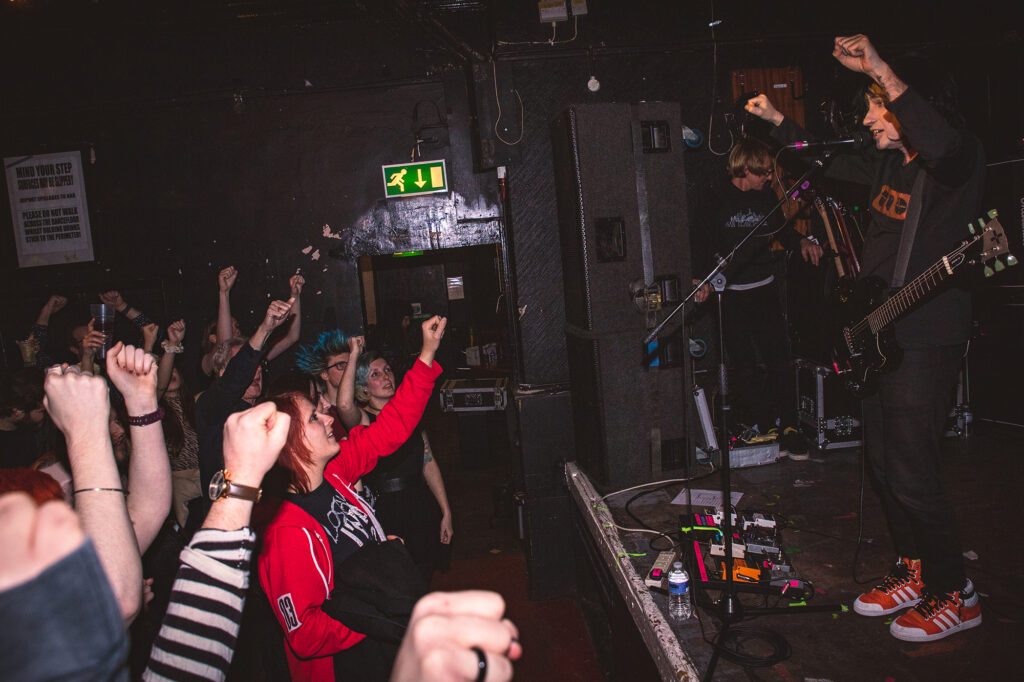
(867, 348)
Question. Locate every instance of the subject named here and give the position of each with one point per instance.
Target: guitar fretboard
(905, 299)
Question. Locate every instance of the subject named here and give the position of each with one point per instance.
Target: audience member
(325, 360)
(179, 424)
(120, 528)
(226, 327)
(406, 484)
(238, 386)
(324, 521)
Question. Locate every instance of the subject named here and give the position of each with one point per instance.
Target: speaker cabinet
(621, 191)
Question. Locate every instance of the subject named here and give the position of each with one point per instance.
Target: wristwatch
(221, 486)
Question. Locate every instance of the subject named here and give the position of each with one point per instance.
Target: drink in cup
(103, 316)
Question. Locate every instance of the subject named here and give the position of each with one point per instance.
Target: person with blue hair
(325, 361)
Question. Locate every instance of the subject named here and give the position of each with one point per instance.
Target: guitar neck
(906, 298)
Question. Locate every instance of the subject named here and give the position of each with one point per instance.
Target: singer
(926, 176)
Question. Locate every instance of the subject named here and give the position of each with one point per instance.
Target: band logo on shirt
(891, 203)
(288, 614)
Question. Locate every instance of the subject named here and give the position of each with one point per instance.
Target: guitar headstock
(993, 244)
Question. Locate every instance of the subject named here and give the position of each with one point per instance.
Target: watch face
(217, 485)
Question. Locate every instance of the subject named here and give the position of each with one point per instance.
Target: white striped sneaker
(901, 589)
(939, 615)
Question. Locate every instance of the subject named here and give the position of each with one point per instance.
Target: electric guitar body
(864, 314)
(861, 353)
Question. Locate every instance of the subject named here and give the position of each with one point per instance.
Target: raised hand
(78, 403)
(252, 441)
(113, 298)
(133, 371)
(857, 54)
(277, 312)
(433, 331)
(356, 345)
(295, 284)
(763, 108)
(226, 279)
(176, 332)
(54, 304)
(149, 334)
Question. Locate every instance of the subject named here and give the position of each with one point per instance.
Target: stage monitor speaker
(621, 190)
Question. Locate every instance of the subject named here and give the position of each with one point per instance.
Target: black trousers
(755, 330)
(903, 428)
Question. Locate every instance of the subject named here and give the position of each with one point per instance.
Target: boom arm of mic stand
(793, 191)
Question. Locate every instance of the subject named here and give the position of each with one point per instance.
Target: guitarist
(922, 157)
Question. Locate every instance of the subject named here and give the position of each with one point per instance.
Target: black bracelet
(146, 419)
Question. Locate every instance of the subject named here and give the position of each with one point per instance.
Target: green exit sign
(412, 179)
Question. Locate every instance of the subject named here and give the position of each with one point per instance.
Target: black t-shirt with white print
(346, 525)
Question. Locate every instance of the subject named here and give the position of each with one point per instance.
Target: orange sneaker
(938, 616)
(901, 589)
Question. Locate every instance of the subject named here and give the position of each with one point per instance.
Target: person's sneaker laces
(793, 444)
(939, 615)
(901, 589)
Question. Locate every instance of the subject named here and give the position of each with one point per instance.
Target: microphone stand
(729, 609)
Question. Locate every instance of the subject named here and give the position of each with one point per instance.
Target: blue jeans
(903, 427)
(64, 624)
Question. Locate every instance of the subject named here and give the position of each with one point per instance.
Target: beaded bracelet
(146, 419)
(171, 348)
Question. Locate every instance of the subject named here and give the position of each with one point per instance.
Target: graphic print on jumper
(891, 203)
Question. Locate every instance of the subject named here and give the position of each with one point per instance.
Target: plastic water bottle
(679, 607)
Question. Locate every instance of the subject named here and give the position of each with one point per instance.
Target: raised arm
(225, 280)
(400, 415)
(195, 641)
(295, 285)
(858, 54)
(79, 406)
(133, 373)
(172, 347)
(277, 313)
(345, 401)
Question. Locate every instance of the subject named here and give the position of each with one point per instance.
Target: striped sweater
(199, 631)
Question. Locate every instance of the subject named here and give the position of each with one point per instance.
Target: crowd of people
(111, 447)
(98, 451)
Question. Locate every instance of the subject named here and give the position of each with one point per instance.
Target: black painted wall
(230, 138)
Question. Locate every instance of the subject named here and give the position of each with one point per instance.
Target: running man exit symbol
(413, 179)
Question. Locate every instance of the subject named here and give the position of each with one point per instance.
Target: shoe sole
(796, 458)
(861, 609)
(917, 635)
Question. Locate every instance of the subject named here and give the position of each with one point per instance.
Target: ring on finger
(481, 663)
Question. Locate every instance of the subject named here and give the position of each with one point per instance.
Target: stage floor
(818, 503)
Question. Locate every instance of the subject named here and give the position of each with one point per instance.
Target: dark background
(233, 132)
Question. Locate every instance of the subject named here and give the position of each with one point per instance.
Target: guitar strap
(899, 274)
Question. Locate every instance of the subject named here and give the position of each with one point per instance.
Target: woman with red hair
(324, 520)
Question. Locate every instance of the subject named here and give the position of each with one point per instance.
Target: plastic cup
(29, 348)
(103, 315)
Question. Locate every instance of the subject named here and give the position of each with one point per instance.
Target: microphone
(857, 139)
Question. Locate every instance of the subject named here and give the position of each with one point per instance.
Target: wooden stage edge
(672, 662)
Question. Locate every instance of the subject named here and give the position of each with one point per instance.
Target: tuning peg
(988, 271)
(970, 228)
(1000, 266)
(992, 214)
(1011, 260)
